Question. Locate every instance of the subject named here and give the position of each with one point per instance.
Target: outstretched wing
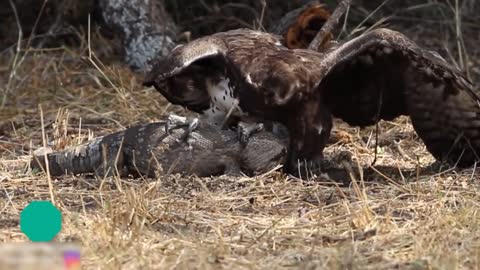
(179, 77)
(182, 56)
(383, 74)
(261, 72)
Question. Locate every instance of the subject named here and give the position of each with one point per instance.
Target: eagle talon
(192, 125)
(174, 120)
(306, 169)
(245, 130)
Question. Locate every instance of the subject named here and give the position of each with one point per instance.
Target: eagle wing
(182, 56)
(383, 74)
(180, 81)
(263, 73)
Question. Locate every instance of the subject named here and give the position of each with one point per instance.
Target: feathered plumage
(378, 75)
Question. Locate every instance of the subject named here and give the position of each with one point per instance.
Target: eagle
(378, 75)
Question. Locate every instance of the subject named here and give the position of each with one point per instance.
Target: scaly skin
(148, 149)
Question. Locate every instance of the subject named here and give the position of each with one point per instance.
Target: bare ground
(405, 212)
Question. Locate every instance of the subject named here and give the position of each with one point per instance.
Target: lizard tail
(96, 156)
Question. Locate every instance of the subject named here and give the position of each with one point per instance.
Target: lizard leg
(246, 129)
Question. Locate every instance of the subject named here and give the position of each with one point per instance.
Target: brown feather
(443, 105)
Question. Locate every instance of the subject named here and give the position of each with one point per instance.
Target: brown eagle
(381, 74)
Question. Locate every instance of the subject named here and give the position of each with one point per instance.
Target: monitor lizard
(201, 149)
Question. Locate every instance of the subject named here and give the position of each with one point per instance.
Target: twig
(329, 25)
(391, 181)
(92, 58)
(15, 63)
(368, 17)
(262, 15)
(462, 54)
(458, 35)
(377, 123)
(35, 25)
(47, 167)
(117, 172)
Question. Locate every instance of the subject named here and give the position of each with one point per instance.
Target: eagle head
(188, 88)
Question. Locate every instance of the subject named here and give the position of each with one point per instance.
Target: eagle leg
(246, 129)
(307, 169)
(174, 120)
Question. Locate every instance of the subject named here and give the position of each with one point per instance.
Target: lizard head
(265, 150)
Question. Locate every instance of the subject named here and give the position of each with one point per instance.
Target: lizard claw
(245, 130)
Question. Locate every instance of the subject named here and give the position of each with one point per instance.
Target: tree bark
(146, 28)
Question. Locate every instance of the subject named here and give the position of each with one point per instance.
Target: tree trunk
(146, 28)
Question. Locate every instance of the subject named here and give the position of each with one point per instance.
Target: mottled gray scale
(208, 151)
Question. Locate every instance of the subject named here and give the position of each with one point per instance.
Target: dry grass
(403, 213)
